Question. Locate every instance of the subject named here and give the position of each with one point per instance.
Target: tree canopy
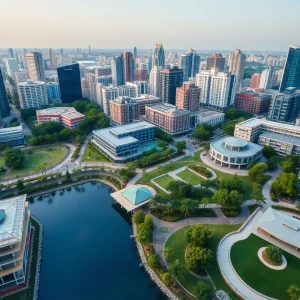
(198, 259)
(198, 235)
(268, 151)
(289, 163)
(202, 291)
(231, 183)
(14, 158)
(228, 200)
(285, 185)
(256, 173)
(203, 132)
(232, 113)
(181, 145)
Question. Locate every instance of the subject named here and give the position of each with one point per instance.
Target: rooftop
(207, 113)
(169, 109)
(281, 226)
(235, 142)
(31, 82)
(11, 129)
(69, 112)
(281, 137)
(12, 226)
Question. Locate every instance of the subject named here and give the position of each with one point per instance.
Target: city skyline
(225, 26)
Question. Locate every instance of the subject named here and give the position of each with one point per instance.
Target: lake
(87, 250)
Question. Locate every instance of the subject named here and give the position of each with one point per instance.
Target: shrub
(202, 291)
(153, 261)
(274, 254)
(139, 217)
(166, 278)
(198, 235)
(197, 259)
(201, 170)
(293, 210)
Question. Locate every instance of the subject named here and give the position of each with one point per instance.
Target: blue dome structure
(137, 194)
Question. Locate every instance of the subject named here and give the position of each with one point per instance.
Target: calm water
(87, 250)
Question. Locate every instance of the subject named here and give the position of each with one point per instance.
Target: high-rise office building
(170, 80)
(70, 83)
(4, 106)
(150, 57)
(108, 93)
(35, 66)
(291, 74)
(215, 60)
(53, 91)
(158, 58)
(134, 53)
(32, 94)
(21, 76)
(189, 63)
(155, 81)
(53, 62)
(12, 66)
(217, 89)
(117, 70)
(267, 78)
(255, 81)
(237, 66)
(285, 106)
(11, 52)
(128, 66)
(188, 96)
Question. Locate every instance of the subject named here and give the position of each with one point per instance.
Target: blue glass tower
(4, 106)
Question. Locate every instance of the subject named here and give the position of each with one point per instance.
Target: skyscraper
(188, 96)
(170, 80)
(215, 60)
(155, 81)
(11, 52)
(117, 71)
(12, 66)
(255, 81)
(35, 66)
(128, 66)
(53, 62)
(150, 61)
(291, 74)
(267, 78)
(158, 58)
(69, 83)
(134, 53)
(236, 67)
(189, 63)
(217, 89)
(4, 106)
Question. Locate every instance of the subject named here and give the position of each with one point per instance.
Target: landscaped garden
(272, 283)
(177, 244)
(36, 160)
(164, 181)
(190, 177)
(91, 154)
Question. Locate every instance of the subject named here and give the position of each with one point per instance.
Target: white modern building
(12, 66)
(217, 89)
(108, 93)
(13, 136)
(267, 78)
(155, 81)
(15, 238)
(207, 116)
(284, 138)
(32, 94)
(234, 152)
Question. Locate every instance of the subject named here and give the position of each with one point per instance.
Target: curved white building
(32, 94)
(234, 152)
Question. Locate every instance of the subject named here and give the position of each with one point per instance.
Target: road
(16, 114)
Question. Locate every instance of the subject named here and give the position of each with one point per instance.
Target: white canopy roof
(281, 226)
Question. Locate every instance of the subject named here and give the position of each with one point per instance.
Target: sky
(178, 24)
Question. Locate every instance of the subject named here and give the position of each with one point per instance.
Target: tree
(162, 144)
(68, 177)
(198, 235)
(268, 152)
(20, 185)
(14, 158)
(180, 146)
(168, 253)
(251, 164)
(161, 135)
(228, 200)
(256, 193)
(79, 139)
(198, 259)
(166, 278)
(272, 163)
(274, 254)
(153, 261)
(205, 201)
(232, 183)
(229, 126)
(154, 202)
(187, 207)
(144, 234)
(139, 217)
(256, 173)
(203, 132)
(289, 163)
(294, 292)
(298, 206)
(175, 269)
(285, 185)
(202, 291)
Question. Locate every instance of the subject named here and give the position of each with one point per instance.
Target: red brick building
(255, 80)
(188, 96)
(255, 103)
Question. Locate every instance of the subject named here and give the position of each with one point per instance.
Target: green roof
(137, 194)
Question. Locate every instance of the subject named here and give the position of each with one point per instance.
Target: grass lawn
(269, 282)
(190, 177)
(178, 243)
(92, 154)
(28, 293)
(164, 180)
(40, 158)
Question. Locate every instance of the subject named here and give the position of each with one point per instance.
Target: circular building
(234, 152)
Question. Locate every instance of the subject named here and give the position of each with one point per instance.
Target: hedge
(280, 207)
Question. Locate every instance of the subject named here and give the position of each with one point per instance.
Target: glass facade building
(69, 83)
(291, 74)
(4, 106)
